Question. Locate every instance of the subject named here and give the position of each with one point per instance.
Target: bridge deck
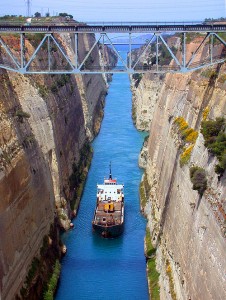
(115, 28)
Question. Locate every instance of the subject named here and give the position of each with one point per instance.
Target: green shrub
(212, 128)
(54, 88)
(220, 168)
(63, 80)
(198, 178)
(42, 90)
(209, 73)
(22, 115)
(215, 141)
(137, 77)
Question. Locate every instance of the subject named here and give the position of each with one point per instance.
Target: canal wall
(46, 124)
(187, 229)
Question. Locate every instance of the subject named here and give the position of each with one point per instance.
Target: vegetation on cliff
(137, 78)
(48, 295)
(215, 140)
(188, 136)
(42, 266)
(152, 273)
(79, 173)
(198, 178)
(144, 191)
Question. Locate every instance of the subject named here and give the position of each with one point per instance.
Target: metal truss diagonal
(196, 51)
(60, 49)
(88, 54)
(170, 51)
(34, 54)
(117, 53)
(144, 51)
(8, 51)
(219, 38)
(48, 38)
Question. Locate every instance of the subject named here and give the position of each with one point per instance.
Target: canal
(95, 268)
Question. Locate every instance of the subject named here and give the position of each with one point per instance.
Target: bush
(215, 141)
(22, 115)
(205, 113)
(183, 125)
(209, 73)
(212, 128)
(188, 135)
(198, 178)
(137, 78)
(54, 88)
(42, 90)
(185, 156)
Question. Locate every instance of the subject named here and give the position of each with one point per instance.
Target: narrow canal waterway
(95, 268)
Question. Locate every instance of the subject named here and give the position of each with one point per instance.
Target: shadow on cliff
(207, 95)
(168, 197)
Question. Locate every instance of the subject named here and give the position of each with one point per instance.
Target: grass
(152, 273)
(48, 295)
(144, 191)
(153, 277)
(143, 199)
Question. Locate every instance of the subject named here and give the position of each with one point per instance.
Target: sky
(121, 10)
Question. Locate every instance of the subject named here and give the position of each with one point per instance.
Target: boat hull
(109, 231)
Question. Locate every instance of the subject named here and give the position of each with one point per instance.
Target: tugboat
(108, 217)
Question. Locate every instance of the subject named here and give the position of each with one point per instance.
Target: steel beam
(8, 51)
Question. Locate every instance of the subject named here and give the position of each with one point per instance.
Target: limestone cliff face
(188, 230)
(45, 122)
(145, 97)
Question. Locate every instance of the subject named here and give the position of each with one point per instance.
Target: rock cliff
(188, 229)
(46, 122)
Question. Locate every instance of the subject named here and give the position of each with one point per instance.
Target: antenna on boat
(110, 176)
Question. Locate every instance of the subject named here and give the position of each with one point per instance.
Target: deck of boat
(108, 217)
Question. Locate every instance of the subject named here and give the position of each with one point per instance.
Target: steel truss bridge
(45, 38)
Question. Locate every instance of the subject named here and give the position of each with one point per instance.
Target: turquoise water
(96, 268)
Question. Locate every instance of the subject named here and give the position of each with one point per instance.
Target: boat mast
(110, 176)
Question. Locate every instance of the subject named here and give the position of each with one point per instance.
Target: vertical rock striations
(46, 122)
(188, 229)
